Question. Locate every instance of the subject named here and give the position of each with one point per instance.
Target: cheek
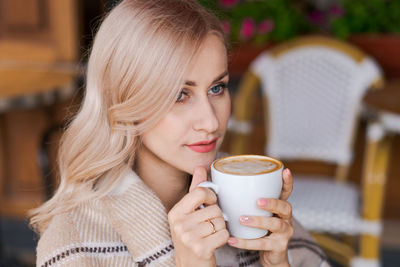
(155, 137)
(170, 130)
(224, 112)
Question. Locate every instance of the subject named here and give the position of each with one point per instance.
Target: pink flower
(336, 11)
(248, 28)
(317, 17)
(226, 27)
(266, 26)
(228, 3)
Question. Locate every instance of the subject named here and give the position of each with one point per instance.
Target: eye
(182, 96)
(218, 89)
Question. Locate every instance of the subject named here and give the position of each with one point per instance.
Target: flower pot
(385, 48)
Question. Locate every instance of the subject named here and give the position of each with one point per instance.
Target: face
(192, 132)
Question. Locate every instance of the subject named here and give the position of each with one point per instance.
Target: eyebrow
(191, 83)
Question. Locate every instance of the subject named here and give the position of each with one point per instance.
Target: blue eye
(179, 97)
(182, 96)
(218, 89)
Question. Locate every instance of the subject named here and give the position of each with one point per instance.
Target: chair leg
(374, 180)
(369, 247)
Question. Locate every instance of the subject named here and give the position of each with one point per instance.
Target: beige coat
(130, 228)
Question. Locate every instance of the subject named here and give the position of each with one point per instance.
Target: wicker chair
(313, 88)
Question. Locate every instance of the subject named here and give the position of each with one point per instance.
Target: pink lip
(203, 146)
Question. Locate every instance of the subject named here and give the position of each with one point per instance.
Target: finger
(200, 215)
(217, 240)
(199, 176)
(279, 207)
(202, 233)
(287, 186)
(205, 247)
(192, 201)
(207, 228)
(273, 224)
(262, 244)
(210, 211)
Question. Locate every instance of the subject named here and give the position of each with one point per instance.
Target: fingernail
(232, 241)
(245, 219)
(287, 171)
(262, 202)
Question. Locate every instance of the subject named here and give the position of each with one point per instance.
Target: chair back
(314, 87)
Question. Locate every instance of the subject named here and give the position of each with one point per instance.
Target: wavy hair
(135, 72)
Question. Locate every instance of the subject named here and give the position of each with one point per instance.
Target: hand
(192, 233)
(273, 247)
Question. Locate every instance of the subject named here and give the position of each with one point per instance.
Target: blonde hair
(135, 72)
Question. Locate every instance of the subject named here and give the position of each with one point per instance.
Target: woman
(154, 115)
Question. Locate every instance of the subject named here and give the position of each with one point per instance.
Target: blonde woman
(155, 112)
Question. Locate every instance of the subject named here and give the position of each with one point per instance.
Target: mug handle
(215, 188)
(211, 185)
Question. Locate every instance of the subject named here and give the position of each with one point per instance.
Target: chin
(207, 161)
(204, 160)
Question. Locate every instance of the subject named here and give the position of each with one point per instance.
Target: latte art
(246, 165)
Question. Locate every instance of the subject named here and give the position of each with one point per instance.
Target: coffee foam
(246, 165)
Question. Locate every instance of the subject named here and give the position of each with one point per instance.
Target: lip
(203, 146)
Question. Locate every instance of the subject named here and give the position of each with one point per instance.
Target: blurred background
(44, 46)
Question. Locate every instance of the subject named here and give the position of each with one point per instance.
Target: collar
(138, 216)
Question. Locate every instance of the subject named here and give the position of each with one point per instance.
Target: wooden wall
(41, 43)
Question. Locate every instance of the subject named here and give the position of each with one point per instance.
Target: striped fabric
(130, 228)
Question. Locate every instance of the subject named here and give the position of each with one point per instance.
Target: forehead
(209, 62)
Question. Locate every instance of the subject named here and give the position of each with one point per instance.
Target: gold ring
(212, 225)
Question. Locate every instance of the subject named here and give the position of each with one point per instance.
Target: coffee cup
(239, 181)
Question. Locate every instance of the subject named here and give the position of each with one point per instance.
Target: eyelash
(184, 93)
(223, 88)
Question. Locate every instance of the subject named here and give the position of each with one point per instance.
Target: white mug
(238, 193)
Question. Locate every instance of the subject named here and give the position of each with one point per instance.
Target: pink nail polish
(232, 241)
(245, 219)
(262, 202)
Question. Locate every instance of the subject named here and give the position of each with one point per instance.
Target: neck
(169, 183)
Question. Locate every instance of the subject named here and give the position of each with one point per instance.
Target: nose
(206, 118)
